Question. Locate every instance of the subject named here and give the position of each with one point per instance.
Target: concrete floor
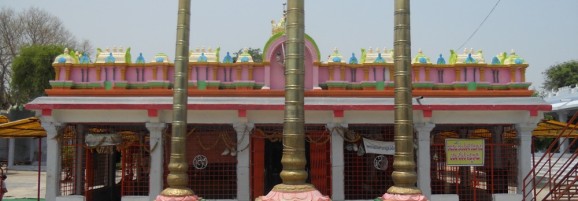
(23, 184)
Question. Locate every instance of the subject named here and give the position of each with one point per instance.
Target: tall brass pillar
(293, 174)
(178, 178)
(404, 175)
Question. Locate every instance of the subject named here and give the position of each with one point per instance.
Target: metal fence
(497, 175)
(367, 175)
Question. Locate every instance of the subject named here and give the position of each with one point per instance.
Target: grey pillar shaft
(52, 160)
(524, 152)
(11, 145)
(32, 149)
(78, 163)
(243, 156)
(564, 142)
(337, 161)
(497, 140)
(156, 156)
(423, 157)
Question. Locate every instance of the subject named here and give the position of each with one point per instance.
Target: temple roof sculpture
(119, 54)
(420, 58)
(370, 55)
(204, 55)
(67, 57)
(467, 57)
(245, 57)
(335, 57)
(513, 58)
(161, 58)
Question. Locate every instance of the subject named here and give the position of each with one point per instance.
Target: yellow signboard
(464, 152)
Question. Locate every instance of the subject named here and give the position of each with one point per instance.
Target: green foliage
(255, 53)
(32, 69)
(560, 75)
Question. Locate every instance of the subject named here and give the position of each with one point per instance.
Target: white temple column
(243, 158)
(524, 152)
(53, 159)
(423, 157)
(564, 142)
(156, 156)
(337, 163)
(11, 145)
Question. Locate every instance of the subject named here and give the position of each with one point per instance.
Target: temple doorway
(267, 151)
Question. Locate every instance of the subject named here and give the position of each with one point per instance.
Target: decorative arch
(274, 70)
(276, 40)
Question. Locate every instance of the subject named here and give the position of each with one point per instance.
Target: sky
(543, 32)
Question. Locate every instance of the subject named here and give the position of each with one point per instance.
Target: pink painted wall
(277, 72)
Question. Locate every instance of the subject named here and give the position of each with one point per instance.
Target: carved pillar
(53, 158)
(191, 76)
(156, 155)
(239, 71)
(165, 72)
(458, 75)
(155, 72)
(512, 75)
(342, 73)
(427, 75)
(524, 152)
(415, 74)
(67, 77)
(98, 76)
(57, 73)
(243, 130)
(337, 164)
(366, 74)
(123, 73)
(523, 74)
(214, 76)
(482, 74)
(331, 71)
(250, 73)
(423, 157)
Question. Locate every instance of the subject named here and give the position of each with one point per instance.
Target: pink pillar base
(183, 198)
(402, 197)
(279, 194)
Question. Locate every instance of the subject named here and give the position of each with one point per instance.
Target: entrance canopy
(551, 129)
(29, 127)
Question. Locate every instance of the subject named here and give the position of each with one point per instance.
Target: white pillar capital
(423, 130)
(155, 127)
(333, 125)
(525, 129)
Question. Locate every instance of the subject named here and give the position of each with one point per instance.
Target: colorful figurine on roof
(421, 58)
(353, 59)
(335, 57)
(245, 56)
(204, 55)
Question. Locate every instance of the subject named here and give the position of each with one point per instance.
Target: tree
(28, 27)
(560, 75)
(31, 71)
(255, 53)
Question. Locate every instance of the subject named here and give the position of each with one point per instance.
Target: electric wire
(479, 26)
